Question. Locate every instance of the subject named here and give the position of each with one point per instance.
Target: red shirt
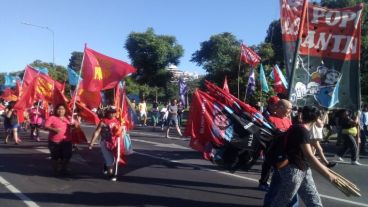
(281, 124)
(63, 124)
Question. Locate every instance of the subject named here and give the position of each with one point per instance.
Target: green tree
(75, 60)
(219, 56)
(151, 54)
(274, 37)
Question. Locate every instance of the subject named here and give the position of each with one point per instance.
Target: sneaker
(264, 187)
(331, 164)
(104, 169)
(38, 139)
(356, 163)
(113, 178)
(339, 158)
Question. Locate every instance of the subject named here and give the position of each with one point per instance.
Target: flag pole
(78, 83)
(120, 137)
(239, 70)
(297, 46)
(246, 86)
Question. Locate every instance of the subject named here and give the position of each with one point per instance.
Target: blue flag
(10, 81)
(73, 77)
(42, 70)
(251, 86)
(262, 79)
(183, 90)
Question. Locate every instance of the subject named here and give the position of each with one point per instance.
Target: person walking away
(317, 137)
(143, 112)
(173, 118)
(36, 119)
(59, 126)
(11, 123)
(180, 112)
(349, 132)
(296, 176)
(109, 129)
(164, 113)
(363, 129)
(154, 115)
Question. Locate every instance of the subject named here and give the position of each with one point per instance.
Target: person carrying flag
(60, 126)
(110, 131)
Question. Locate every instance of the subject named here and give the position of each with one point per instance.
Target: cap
(273, 100)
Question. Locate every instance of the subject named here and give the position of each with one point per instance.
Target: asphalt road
(161, 172)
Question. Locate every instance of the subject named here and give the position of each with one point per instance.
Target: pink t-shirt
(36, 116)
(63, 125)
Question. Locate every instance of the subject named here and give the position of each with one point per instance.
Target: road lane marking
(243, 177)
(157, 144)
(17, 193)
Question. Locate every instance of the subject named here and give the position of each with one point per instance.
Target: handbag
(128, 147)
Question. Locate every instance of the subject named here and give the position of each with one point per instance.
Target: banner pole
(297, 46)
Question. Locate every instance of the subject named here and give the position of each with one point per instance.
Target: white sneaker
(356, 163)
(339, 158)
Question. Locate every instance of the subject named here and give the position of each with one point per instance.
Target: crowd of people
(304, 127)
(170, 115)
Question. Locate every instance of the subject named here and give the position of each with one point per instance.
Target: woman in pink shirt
(60, 140)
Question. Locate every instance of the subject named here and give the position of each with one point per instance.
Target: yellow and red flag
(30, 73)
(41, 88)
(101, 72)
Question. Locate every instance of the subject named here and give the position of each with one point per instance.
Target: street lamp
(53, 38)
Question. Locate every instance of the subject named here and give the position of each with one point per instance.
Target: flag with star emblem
(101, 72)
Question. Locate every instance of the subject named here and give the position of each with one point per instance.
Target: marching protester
(349, 136)
(317, 137)
(172, 118)
(154, 115)
(142, 106)
(296, 176)
(180, 112)
(36, 120)
(109, 129)
(11, 123)
(280, 118)
(164, 113)
(59, 126)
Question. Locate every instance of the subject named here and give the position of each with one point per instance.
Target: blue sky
(105, 24)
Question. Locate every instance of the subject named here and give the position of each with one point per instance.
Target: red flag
(101, 72)
(237, 105)
(201, 126)
(122, 106)
(86, 114)
(92, 99)
(31, 73)
(226, 86)
(40, 89)
(9, 95)
(278, 86)
(248, 56)
(18, 88)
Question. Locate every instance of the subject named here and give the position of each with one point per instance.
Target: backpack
(276, 153)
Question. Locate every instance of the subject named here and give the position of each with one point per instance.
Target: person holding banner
(110, 131)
